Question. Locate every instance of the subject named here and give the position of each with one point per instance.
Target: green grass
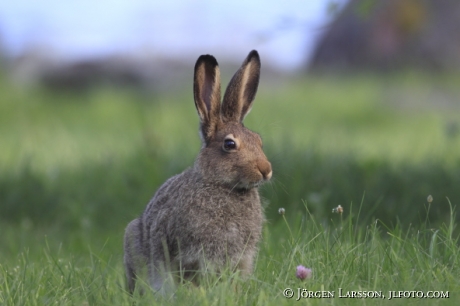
(76, 168)
(342, 256)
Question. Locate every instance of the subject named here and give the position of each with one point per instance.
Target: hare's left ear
(206, 91)
(242, 89)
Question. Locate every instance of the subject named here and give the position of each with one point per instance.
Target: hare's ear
(206, 91)
(242, 89)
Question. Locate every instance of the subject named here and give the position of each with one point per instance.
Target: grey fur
(209, 216)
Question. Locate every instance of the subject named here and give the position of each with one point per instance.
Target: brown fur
(210, 215)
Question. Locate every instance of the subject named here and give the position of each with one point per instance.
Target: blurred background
(358, 106)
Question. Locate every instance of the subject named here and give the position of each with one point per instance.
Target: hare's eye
(229, 144)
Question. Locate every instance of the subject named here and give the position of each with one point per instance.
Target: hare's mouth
(248, 185)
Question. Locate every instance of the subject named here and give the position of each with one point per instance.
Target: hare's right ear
(242, 89)
(206, 91)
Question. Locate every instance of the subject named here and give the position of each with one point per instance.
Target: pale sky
(283, 31)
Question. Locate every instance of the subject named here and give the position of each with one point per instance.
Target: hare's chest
(236, 237)
(225, 220)
(244, 227)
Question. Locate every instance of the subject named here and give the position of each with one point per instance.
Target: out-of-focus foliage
(390, 35)
(93, 160)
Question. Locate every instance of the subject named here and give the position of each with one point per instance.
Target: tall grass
(344, 258)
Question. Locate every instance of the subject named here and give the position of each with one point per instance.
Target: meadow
(76, 167)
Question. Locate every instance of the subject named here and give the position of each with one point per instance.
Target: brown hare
(210, 215)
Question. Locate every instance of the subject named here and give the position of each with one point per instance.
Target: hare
(209, 216)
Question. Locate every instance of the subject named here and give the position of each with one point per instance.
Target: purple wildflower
(302, 272)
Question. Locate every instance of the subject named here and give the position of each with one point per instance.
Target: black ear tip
(207, 59)
(253, 54)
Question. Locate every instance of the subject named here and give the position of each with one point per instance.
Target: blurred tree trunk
(391, 34)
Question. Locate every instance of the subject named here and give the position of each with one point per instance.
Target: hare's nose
(265, 169)
(268, 175)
